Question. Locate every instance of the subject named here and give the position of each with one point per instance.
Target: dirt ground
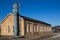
(55, 37)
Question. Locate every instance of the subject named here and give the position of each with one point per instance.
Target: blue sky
(44, 10)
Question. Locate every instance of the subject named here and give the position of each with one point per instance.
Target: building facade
(27, 26)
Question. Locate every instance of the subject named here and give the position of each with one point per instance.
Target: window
(4, 29)
(50, 29)
(8, 29)
(40, 28)
(28, 27)
(45, 29)
(35, 27)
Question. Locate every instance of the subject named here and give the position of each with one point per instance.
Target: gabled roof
(5, 18)
(28, 19)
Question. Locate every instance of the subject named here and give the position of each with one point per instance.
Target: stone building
(56, 29)
(26, 26)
